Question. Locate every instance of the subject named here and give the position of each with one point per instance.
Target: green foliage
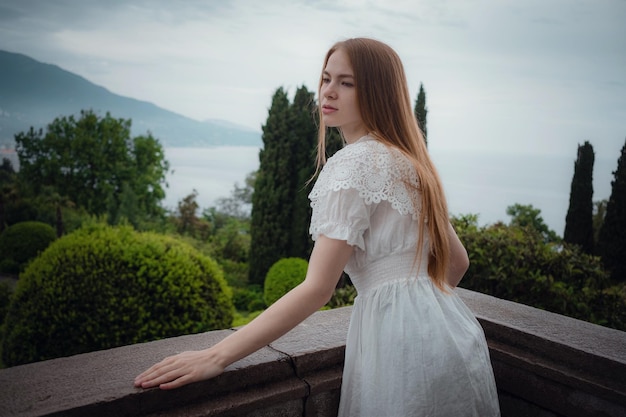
(21, 243)
(579, 219)
(242, 319)
(271, 201)
(612, 302)
(239, 203)
(516, 264)
(248, 299)
(303, 140)
(256, 304)
(8, 190)
(342, 297)
(612, 238)
(5, 299)
(235, 273)
(223, 236)
(95, 164)
(280, 207)
(102, 287)
(186, 219)
(334, 142)
(282, 277)
(599, 211)
(526, 216)
(421, 111)
(232, 241)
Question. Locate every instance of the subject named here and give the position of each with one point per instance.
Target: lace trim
(375, 171)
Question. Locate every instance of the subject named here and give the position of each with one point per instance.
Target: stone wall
(545, 365)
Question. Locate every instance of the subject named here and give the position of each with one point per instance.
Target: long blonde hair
(383, 97)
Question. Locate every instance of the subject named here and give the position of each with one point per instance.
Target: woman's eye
(325, 80)
(347, 84)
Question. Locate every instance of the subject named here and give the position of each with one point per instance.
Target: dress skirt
(414, 350)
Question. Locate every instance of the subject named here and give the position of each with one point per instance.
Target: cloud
(528, 77)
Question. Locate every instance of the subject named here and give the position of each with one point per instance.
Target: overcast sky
(532, 76)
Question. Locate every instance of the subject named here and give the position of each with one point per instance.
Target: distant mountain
(34, 94)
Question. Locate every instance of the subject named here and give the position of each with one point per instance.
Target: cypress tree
(272, 197)
(281, 210)
(334, 142)
(579, 219)
(421, 111)
(612, 238)
(303, 131)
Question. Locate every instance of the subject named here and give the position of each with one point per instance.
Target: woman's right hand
(181, 369)
(326, 263)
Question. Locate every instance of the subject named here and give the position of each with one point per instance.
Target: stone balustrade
(546, 365)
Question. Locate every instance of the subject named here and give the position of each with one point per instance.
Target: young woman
(380, 214)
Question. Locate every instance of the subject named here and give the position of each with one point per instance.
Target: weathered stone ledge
(545, 365)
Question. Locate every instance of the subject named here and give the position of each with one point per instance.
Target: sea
(480, 183)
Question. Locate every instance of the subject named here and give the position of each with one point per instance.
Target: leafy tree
(272, 199)
(281, 210)
(303, 141)
(334, 142)
(579, 219)
(526, 216)
(612, 238)
(286, 165)
(49, 201)
(8, 189)
(421, 111)
(94, 162)
(239, 203)
(187, 219)
(599, 211)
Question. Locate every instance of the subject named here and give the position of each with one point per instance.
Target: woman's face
(339, 104)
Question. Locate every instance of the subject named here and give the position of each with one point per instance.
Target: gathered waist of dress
(390, 268)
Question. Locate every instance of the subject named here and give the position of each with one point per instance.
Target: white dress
(411, 350)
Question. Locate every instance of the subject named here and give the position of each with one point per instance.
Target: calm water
(478, 183)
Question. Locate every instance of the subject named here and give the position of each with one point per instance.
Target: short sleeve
(340, 214)
(352, 184)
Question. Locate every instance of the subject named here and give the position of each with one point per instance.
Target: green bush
(284, 275)
(256, 305)
(241, 319)
(516, 264)
(5, 298)
(102, 287)
(235, 273)
(243, 298)
(22, 242)
(342, 297)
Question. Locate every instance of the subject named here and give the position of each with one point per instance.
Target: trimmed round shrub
(22, 242)
(282, 277)
(102, 287)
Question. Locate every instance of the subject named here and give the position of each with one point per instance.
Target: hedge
(102, 287)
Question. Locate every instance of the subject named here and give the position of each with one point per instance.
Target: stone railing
(545, 365)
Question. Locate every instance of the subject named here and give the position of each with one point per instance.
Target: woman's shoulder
(370, 155)
(376, 171)
(358, 153)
